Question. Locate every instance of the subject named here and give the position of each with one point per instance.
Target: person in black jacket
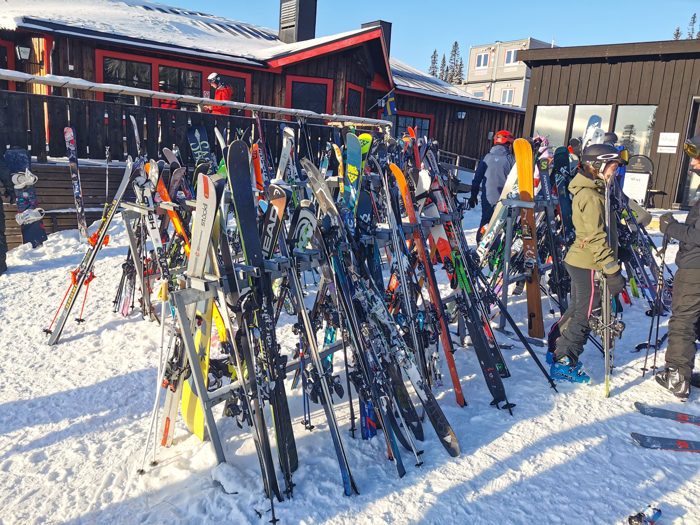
(491, 173)
(682, 327)
(6, 181)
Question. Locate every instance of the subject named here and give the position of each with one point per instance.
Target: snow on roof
(191, 31)
(407, 78)
(286, 49)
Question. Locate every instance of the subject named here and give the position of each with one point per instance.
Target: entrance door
(691, 188)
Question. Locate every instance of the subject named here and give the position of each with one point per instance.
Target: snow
(73, 419)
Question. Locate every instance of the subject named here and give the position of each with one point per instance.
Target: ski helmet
(611, 138)
(692, 147)
(503, 137)
(214, 77)
(599, 155)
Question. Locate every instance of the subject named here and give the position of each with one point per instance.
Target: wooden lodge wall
(649, 75)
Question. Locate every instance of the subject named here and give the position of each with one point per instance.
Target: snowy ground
(73, 419)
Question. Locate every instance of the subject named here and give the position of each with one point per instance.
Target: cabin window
(126, 73)
(583, 114)
(180, 81)
(309, 96)
(550, 122)
(482, 60)
(507, 96)
(354, 103)
(634, 127)
(479, 94)
(403, 122)
(510, 56)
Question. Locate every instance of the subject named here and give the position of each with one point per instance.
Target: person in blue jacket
(491, 175)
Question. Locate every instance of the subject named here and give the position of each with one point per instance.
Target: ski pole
(658, 305)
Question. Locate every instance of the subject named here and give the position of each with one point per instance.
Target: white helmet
(214, 77)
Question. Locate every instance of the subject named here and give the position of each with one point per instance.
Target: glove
(473, 201)
(665, 220)
(10, 194)
(616, 283)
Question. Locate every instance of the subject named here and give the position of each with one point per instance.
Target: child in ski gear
(682, 327)
(223, 92)
(492, 171)
(6, 181)
(590, 253)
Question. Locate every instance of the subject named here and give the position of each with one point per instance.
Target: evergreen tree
(454, 63)
(691, 26)
(433, 69)
(629, 139)
(443, 69)
(459, 75)
(677, 34)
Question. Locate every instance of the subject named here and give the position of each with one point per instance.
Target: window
(309, 96)
(354, 103)
(180, 81)
(582, 115)
(126, 73)
(550, 122)
(634, 127)
(507, 96)
(479, 94)
(482, 60)
(403, 122)
(510, 56)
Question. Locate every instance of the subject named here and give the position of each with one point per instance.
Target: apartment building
(495, 74)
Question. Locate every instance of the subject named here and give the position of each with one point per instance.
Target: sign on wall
(637, 174)
(668, 143)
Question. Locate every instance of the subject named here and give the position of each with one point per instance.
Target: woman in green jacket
(590, 253)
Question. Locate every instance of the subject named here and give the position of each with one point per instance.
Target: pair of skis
(664, 443)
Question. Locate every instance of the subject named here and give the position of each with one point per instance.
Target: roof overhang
(610, 51)
(424, 93)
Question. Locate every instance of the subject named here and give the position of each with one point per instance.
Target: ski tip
(640, 406)
(638, 438)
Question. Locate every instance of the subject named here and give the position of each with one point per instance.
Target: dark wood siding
(667, 81)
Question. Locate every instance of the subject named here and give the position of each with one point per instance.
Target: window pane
(478, 94)
(583, 113)
(634, 127)
(423, 127)
(550, 122)
(126, 73)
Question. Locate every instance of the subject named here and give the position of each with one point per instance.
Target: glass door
(692, 178)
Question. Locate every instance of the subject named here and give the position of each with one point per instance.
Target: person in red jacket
(223, 92)
(166, 104)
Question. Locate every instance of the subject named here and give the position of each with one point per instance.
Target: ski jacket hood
(491, 174)
(591, 249)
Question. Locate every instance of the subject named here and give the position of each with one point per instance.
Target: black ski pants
(3, 239)
(486, 214)
(570, 333)
(683, 325)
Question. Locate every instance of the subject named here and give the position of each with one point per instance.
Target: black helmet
(598, 155)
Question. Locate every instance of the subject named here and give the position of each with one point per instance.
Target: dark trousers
(683, 325)
(486, 214)
(3, 239)
(570, 333)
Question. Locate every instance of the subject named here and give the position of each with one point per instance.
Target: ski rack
(131, 213)
(209, 288)
(513, 209)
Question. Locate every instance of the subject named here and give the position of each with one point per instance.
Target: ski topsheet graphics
(69, 134)
(526, 183)
(19, 163)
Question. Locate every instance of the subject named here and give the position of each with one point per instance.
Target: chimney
(297, 20)
(386, 30)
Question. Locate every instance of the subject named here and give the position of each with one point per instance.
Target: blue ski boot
(562, 369)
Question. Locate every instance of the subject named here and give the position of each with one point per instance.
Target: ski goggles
(624, 158)
(691, 150)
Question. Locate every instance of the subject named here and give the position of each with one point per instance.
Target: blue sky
(420, 27)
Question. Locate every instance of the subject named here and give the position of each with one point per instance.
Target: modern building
(647, 93)
(495, 73)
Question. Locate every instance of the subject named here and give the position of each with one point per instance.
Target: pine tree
(443, 69)
(454, 63)
(677, 34)
(691, 26)
(459, 74)
(433, 69)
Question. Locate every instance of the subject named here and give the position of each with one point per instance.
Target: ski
(664, 443)
(69, 134)
(667, 414)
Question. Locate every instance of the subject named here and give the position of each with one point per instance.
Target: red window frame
(348, 87)
(10, 46)
(309, 80)
(477, 56)
(100, 55)
(500, 97)
(431, 118)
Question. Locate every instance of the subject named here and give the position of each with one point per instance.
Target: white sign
(477, 73)
(667, 142)
(636, 185)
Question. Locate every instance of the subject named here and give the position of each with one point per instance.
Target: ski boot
(649, 516)
(562, 369)
(671, 379)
